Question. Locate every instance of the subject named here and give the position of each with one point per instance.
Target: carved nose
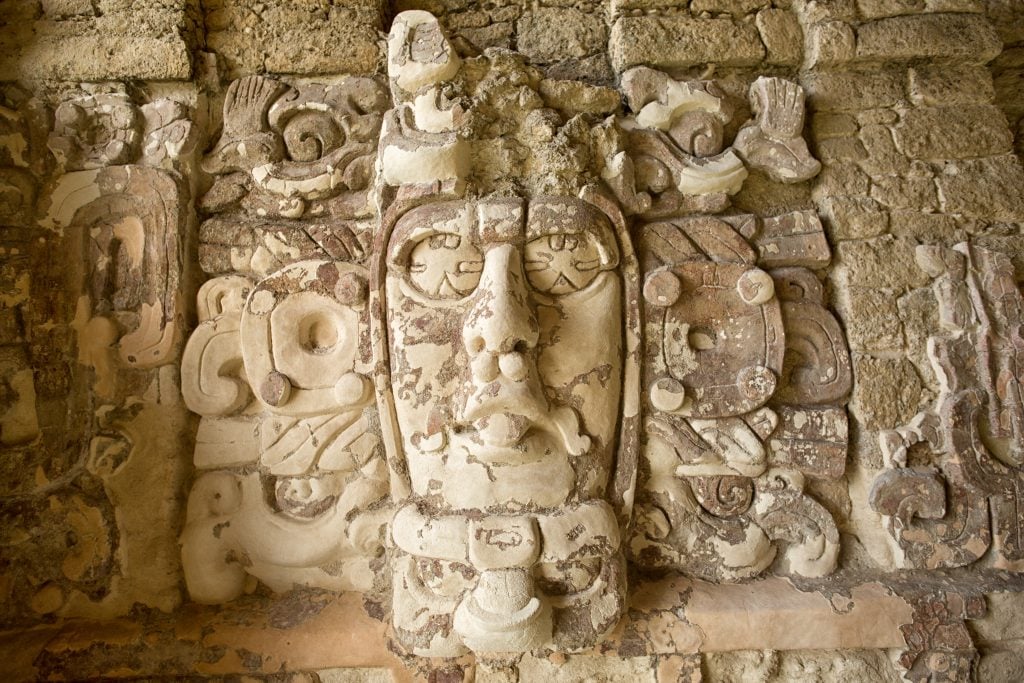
(501, 328)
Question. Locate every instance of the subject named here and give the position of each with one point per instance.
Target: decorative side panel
(953, 481)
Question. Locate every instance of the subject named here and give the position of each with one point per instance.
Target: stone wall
(146, 204)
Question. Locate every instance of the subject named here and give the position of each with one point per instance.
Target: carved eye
(562, 264)
(445, 266)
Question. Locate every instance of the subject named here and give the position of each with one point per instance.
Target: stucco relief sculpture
(953, 481)
(499, 348)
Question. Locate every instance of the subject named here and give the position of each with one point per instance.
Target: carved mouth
(508, 438)
(503, 430)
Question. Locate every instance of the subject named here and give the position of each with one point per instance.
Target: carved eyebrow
(454, 218)
(574, 218)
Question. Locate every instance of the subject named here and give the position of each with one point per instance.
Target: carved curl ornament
(478, 352)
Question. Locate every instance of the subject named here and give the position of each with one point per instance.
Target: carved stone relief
(95, 209)
(499, 348)
(953, 466)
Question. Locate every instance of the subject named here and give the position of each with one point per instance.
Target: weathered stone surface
(876, 9)
(924, 227)
(935, 85)
(853, 90)
(422, 369)
(884, 157)
(967, 38)
(61, 53)
(830, 43)
(775, 667)
(849, 218)
(953, 132)
(881, 262)
(886, 392)
(936, 508)
(782, 36)
(990, 188)
(273, 37)
(679, 40)
(871, 318)
(551, 34)
(908, 191)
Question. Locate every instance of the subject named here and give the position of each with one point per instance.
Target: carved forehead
(500, 220)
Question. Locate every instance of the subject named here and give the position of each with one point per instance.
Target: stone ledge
(309, 630)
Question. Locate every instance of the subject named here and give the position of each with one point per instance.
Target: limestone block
(853, 90)
(792, 239)
(871, 319)
(93, 43)
(884, 157)
(571, 97)
(881, 262)
(552, 34)
(877, 9)
(964, 37)
(274, 37)
(905, 192)
(1006, 19)
(826, 126)
(841, 149)
(1001, 665)
(782, 36)
(953, 132)
(990, 188)
(844, 179)
(854, 218)
(924, 227)
(1000, 623)
(886, 392)
(59, 53)
(947, 84)
(735, 7)
(60, 9)
(679, 40)
(829, 43)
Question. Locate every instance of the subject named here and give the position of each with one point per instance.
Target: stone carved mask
(501, 329)
(506, 348)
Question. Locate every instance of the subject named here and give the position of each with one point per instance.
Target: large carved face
(505, 328)
(505, 336)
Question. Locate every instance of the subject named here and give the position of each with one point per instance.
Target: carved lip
(519, 449)
(503, 429)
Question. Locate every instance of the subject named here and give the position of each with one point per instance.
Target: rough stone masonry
(445, 340)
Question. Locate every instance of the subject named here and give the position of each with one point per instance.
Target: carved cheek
(581, 353)
(426, 356)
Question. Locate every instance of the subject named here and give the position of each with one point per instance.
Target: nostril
(521, 346)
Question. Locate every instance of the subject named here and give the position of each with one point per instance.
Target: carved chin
(494, 478)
